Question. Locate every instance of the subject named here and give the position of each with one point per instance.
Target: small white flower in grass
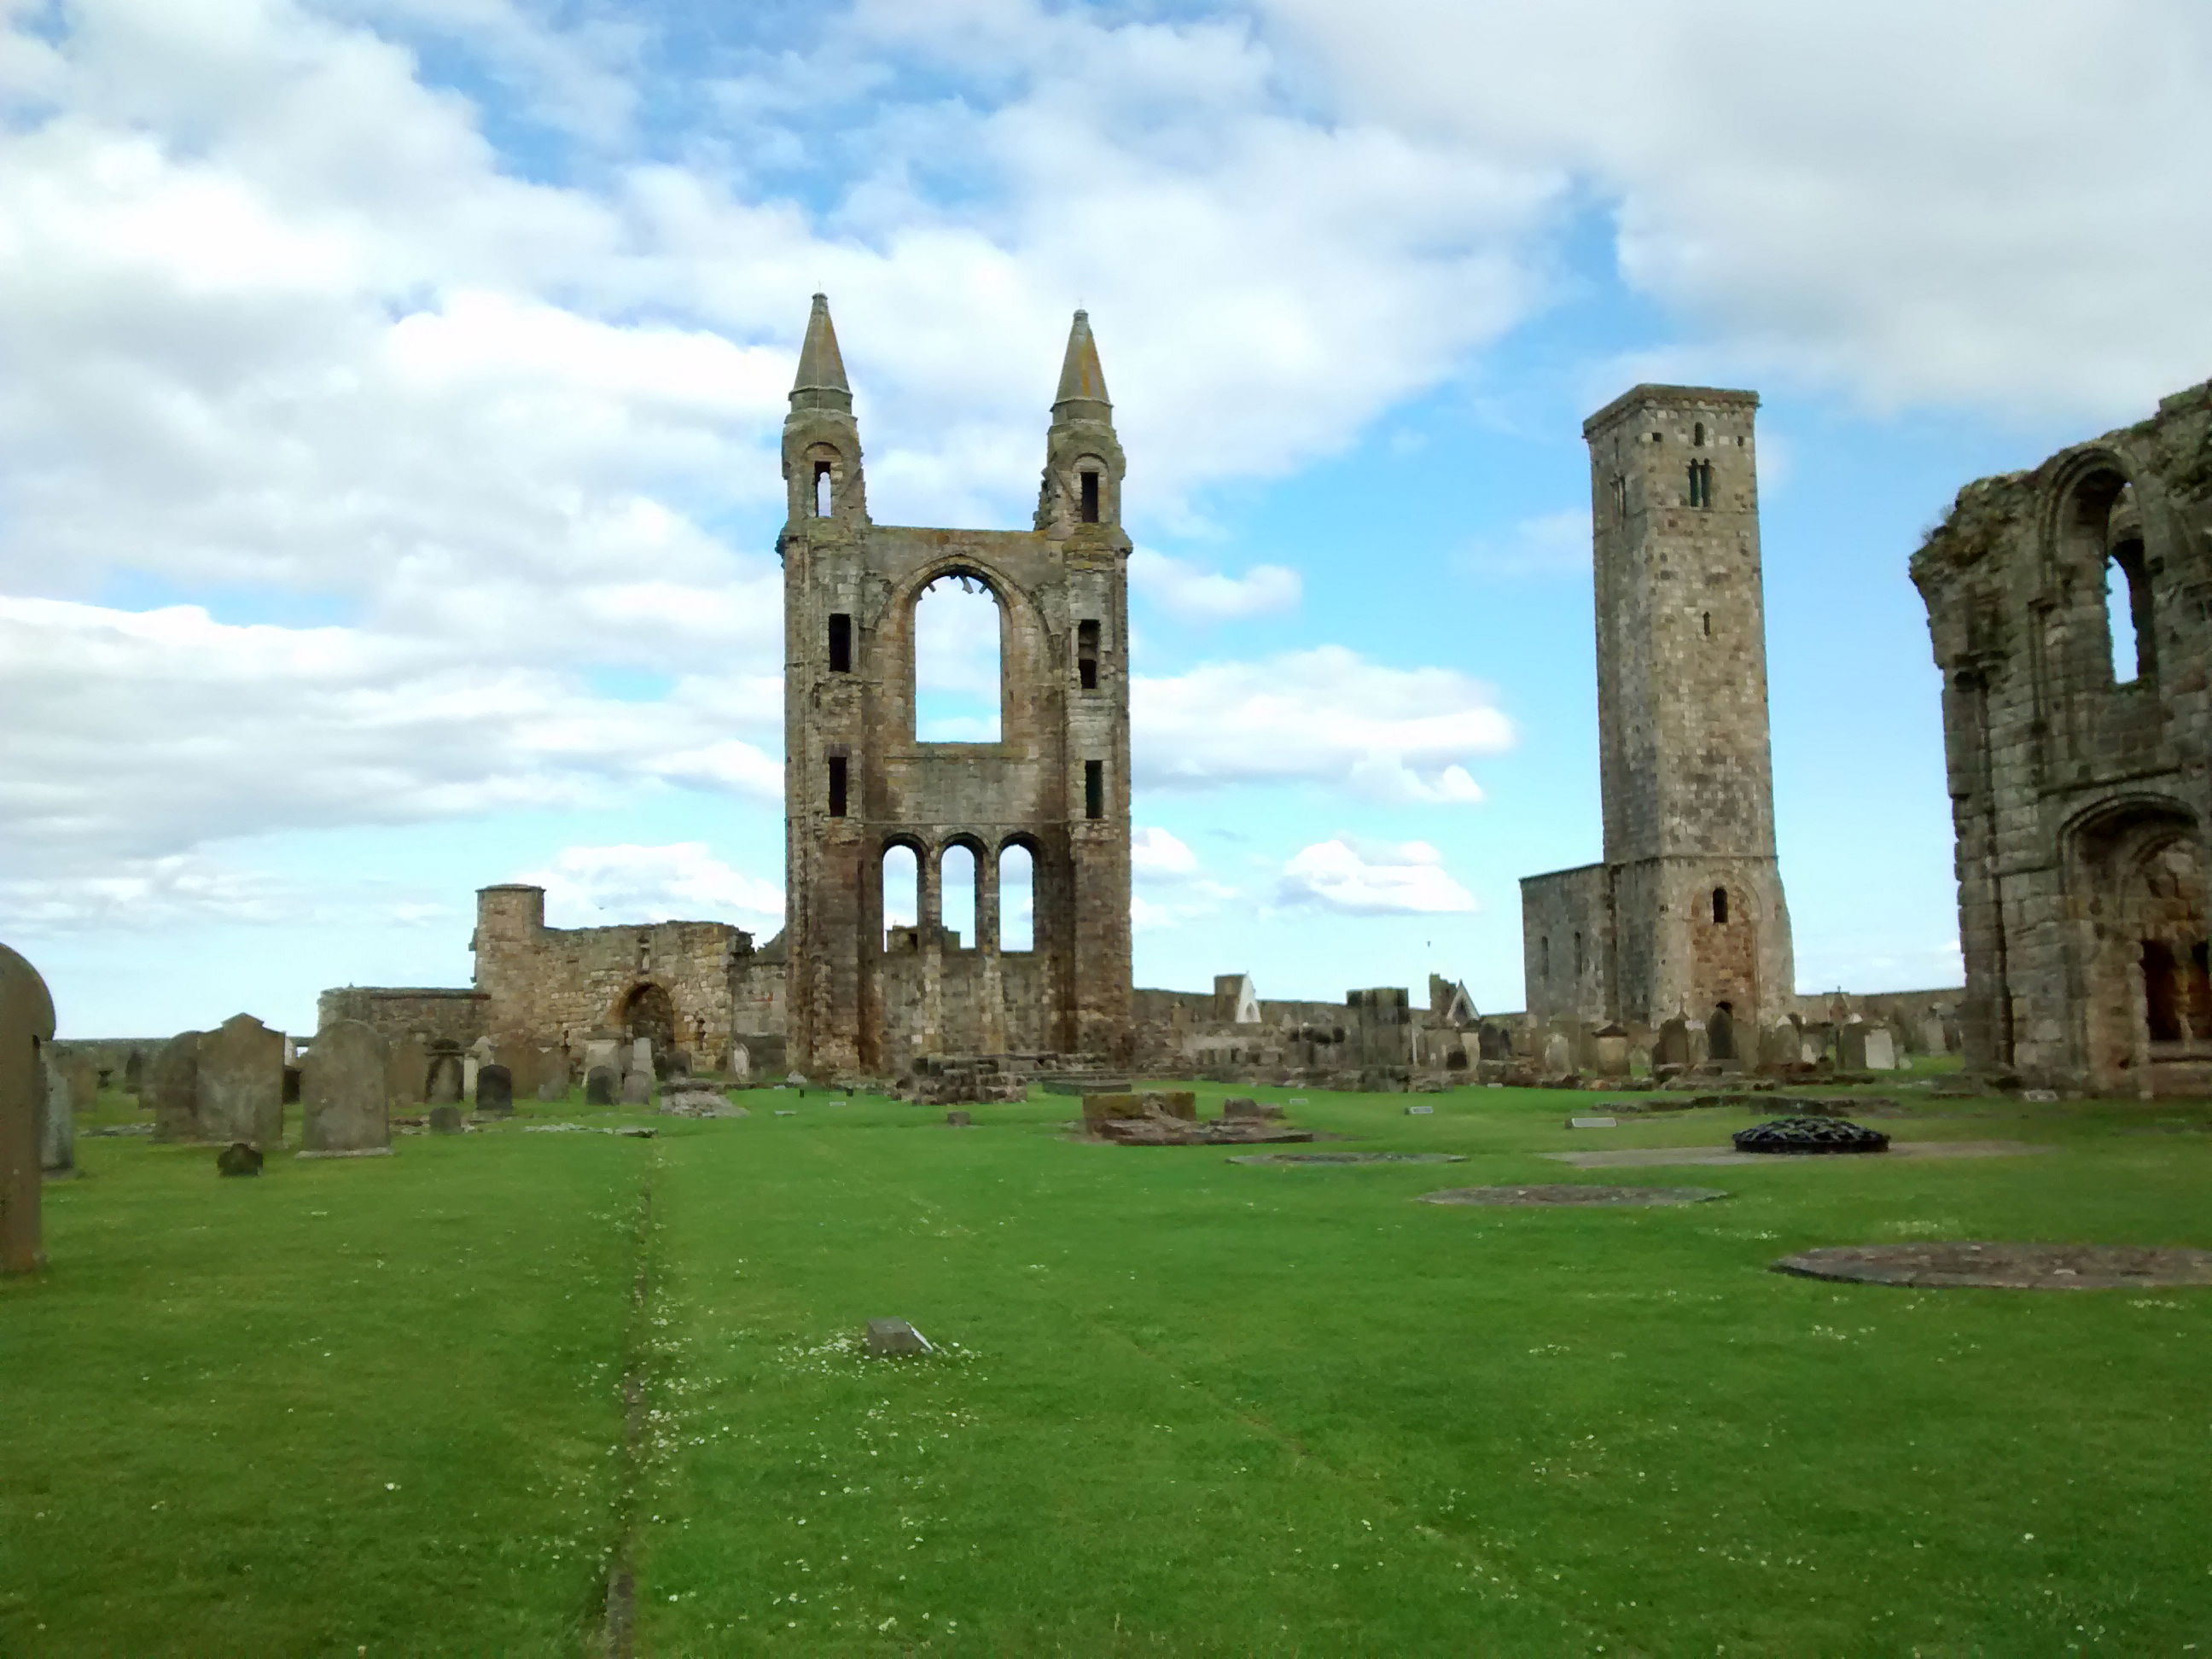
(392, 1486)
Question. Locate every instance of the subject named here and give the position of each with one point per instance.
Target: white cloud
(1542, 544)
(598, 886)
(1403, 880)
(137, 734)
(1838, 192)
(1185, 592)
(1156, 854)
(1325, 716)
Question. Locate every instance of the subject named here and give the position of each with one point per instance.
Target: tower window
(822, 489)
(1658, 437)
(1094, 789)
(1090, 497)
(836, 786)
(1086, 653)
(2128, 613)
(1578, 956)
(1701, 483)
(1544, 959)
(1707, 619)
(1720, 905)
(841, 643)
(1697, 434)
(1620, 496)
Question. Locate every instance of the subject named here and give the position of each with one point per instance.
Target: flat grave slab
(1586, 1197)
(1950, 1266)
(1643, 1157)
(1332, 1159)
(1592, 1123)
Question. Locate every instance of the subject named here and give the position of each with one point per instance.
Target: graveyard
(537, 1390)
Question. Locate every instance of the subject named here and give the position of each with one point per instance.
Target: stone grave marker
(1420, 1111)
(1592, 1123)
(640, 1058)
(241, 1084)
(446, 1121)
(57, 1123)
(599, 1087)
(889, 1338)
(958, 1119)
(479, 1054)
(494, 1091)
(342, 1091)
(636, 1088)
(173, 1084)
(445, 1077)
(601, 1051)
(1880, 1049)
(409, 1079)
(26, 1027)
(239, 1159)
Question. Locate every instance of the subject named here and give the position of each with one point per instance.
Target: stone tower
(858, 782)
(1686, 916)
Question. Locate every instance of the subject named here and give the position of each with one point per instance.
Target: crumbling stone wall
(435, 1017)
(675, 982)
(1684, 917)
(2078, 769)
(1373, 1038)
(859, 781)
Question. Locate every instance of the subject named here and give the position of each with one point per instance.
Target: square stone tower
(1684, 917)
(859, 781)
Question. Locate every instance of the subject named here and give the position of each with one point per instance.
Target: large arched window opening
(959, 900)
(2102, 531)
(957, 684)
(902, 888)
(1017, 898)
(648, 1011)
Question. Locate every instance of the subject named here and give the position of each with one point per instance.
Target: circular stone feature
(1350, 1157)
(1606, 1197)
(1810, 1134)
(2005, 1266)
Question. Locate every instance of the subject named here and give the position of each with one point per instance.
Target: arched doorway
(2141, 903)
(1720, 1034)
(648, 1011)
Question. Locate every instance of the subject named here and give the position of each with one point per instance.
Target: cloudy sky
(389, 393)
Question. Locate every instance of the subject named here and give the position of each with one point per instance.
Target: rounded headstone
(636, 1088)
(26, 1027)
(446, 1121)
(343, 1100)
(445, 1079)
(241, 1083)
(494, 1091)
(600, 1086)
(239, 1159)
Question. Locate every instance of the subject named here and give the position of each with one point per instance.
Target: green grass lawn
(1183, 1406)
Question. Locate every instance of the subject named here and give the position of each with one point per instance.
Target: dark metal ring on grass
(1810, 1134)
(1350, 1157)
(1948, 1265)
(1601, 1197)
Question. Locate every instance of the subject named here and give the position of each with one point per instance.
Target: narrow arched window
(1090, 487)
(840, 642)
(1086, 654)
(1697, 434)
(1544, 959)
(824, 486)
(1707, 618)
(2128, 613)
(1578, 956)
(1720, 905)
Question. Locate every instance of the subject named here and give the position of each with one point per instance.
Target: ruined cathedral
(860, 781)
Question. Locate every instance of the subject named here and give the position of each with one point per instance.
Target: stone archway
(648, 1011)
(2146, 976)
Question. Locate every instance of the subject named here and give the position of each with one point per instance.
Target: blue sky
(389, 393)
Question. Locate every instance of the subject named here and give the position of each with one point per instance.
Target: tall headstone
(741, 1062)
(445, 1078)
(599, 1087)
(57, 1123)
(1673, 1047)
(602, 1051)
(343, 1089)
(641, 1058)
(636, 1088)
(494, 1091)
(27, 1026)
(172, 1088)
(479, 1054)
(241, 1084)
(1880, 1049)
(408, 1081)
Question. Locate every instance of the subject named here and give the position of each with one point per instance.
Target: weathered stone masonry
(2079, 784)
(859, 782)
(1685, 918)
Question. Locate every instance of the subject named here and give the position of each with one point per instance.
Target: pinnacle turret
(1082, 381)
(821, 380)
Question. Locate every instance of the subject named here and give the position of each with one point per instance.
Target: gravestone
(1420, 1111)
(1592, 1123)
(58, 1122)
(480, 1055)
(239, 1159)
(81, 1074)
(1673, 1047)
(1609, 1051)
(241, 1083)
(342, 1090)
(552, 1090)
(602, 1051)
(889, 1338)
(446, 1121)
(599, 1087)
(445, 1086)
(1880, 1049)
(494, 1091)
(173, 1084)
(27, 1026)
(958, 1119)
(741, 1061)
(407, 1082)
(1777, 1046)
(637, 1087)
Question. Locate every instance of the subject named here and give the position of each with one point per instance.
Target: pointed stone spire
(821, 382)
(1082, 381)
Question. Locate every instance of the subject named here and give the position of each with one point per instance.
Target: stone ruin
(1170, 1118)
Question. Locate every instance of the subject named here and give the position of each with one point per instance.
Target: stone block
(958, 1119)
(892, 1338)
(1098, 1108)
